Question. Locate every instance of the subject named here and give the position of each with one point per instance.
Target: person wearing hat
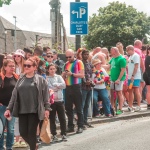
(19, 58)
(99, 76)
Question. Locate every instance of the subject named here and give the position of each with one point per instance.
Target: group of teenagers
(39, 85)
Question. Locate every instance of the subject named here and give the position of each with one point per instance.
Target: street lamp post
(5, 40)
(15, 33)
(78, 37)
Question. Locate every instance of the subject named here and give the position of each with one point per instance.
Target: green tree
(116, 23)
(6, 2)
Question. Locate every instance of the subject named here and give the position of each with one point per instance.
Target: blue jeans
(103, 95)
(86, 98)
(10, 130)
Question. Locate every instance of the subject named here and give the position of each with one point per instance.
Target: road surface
(121, 135)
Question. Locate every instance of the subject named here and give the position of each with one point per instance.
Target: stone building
(33, 38)
(7, 36)
(24, 38)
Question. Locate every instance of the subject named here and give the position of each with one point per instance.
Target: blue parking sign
(78, 18)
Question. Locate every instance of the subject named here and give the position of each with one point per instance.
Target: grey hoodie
(56, 83)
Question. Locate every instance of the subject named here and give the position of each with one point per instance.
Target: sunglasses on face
(27, 65)
(49, 56)
(17, 56)
(68, 57)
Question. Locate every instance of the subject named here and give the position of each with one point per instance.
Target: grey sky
(34, 15)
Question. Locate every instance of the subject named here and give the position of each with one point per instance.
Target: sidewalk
(125, 116)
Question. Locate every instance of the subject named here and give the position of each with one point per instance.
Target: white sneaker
(125, 103)
(138, 108)
(131, 109)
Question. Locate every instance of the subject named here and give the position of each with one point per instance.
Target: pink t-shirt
(138, 51)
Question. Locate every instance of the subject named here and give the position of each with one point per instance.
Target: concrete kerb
(125, 116)
(120, 117)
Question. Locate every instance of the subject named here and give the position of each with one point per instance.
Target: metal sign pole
(78, 37)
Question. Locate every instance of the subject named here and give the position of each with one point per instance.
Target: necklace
(99, 75)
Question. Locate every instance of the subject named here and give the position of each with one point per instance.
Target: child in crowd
(56, 83)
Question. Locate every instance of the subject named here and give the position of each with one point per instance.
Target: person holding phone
(8, 80)
(72, 74)
(32, 95)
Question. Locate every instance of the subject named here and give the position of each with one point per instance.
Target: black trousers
(27, 127)
(58, 107)
(74, 96)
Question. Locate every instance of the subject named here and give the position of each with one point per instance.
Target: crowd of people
(37, 84)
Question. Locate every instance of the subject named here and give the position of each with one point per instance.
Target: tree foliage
(116, 23)
(6, 2)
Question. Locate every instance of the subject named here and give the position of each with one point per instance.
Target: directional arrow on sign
(75, 12)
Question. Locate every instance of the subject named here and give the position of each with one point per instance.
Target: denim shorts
(136, 82)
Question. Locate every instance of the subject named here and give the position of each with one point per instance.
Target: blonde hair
(5, 63)
(119, 45)
(22, 63)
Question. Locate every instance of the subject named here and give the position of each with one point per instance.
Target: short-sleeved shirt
(6, 90)
(116, 65)
(134, 59)
(74, 67)
(102, 85)
(88, 75)
(139, 52)
(28, 96)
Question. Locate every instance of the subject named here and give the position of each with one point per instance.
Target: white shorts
(117, 87)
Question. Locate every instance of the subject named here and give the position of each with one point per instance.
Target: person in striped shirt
(73, 72)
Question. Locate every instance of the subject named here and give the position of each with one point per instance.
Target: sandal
(16, 144)
(23, 144)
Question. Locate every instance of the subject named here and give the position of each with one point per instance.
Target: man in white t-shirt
(134, 77)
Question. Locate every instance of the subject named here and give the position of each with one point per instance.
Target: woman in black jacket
(29, 102)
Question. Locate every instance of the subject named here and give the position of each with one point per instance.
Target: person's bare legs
(17, 138)
(142, 84)
(120, 99)
(125, 92)
(138, 95)
(112, 98)
(131, 97)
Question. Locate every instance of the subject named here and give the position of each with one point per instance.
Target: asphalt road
(121, 135)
